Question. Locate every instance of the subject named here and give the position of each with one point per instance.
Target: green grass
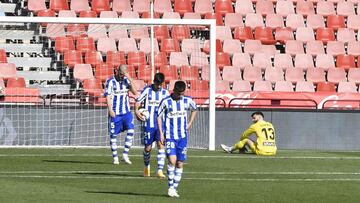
(88, 175)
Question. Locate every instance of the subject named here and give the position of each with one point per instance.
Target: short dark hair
(159, 78)
(257, 113)
(179, 86)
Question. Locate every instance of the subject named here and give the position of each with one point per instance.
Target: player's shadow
(126, 193)
(111, 174)
(75, 162)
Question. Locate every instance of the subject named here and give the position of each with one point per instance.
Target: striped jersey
(118, 92)
(152, 101)
(176, 116)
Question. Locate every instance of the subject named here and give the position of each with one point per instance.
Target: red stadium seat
(144, 73)
(7, 70)
(305, 34)
(222, 59)
(304, 61)
(148, 15)
(262, 86)
(264, 7)
(217, 16)
(115, 58)
(93, 58)
(315, 21)
(100, 5)
(324, 61)
(191, 45)
(72, 57)
(199, 85)
(347, 87)
(325, 34)
(141, 6)
(232, 46)
(244, 7)
(284, 8)
(252, 46)
(55, 30)
(326, 87)
(22, 95)
(223, 7)
(160, 59)
(294, 47)
(162, 6)
(243, 33)
(283, 86)
(108, 14)
(222, 86)
(274, 74)
(66, 14)
(183, 6)
(36, 5)
(3, 57)
(241, 86)
(79, 6)
(223, 32)
(82, 72)
(345, 8)
(283, 34)
(345, 61)
(346, 35)
(145, 45)
(85, 44)
(107, 44)
(93, 87)
(265, 35)
(126, 45)
(170, 72)
(254, 20)
(315, 47)
(304, 86)
(87, 14)
(294, 75)
(353, 48)
(206, 47)
(283, 61)
(104, 71)
(178, 59)
(252, 74)
(58, 5)
(305, 8)
(120, 5)
(354, 75)
(335, 21)
(231, 73)
(335, 48)
(353, 22)
(295, 21)
(46, 13)
(171, 15)
(199, 59)
(189, 73)
(76, 30)
(15, 82)
(169, 45)
(262, 60)
(325, 8)
(161, 32)
(232, 20)
(241, 60)
(180, 32)
(274, 21)
(136, 58)
(315, 75)
(336, 75)
(203, 6)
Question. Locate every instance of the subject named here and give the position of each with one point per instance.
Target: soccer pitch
(88, 175)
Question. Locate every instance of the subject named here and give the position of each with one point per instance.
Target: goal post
(30, 22)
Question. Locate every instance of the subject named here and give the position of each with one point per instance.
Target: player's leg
(114, 130)
(181, 151)
(148, 140)
(161, 155)
(128, 124)
(171, 154)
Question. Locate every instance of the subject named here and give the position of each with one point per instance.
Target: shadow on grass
(75, 162)
(112, 174)
(127, 193)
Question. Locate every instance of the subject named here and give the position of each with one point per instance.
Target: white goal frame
(137, 21)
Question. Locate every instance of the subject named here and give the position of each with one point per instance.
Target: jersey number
(269, 133)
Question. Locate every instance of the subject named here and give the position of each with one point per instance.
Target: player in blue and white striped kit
(151, 96)
(174, 108)
(120, 117)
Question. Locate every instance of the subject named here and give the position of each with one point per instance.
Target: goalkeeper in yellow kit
(265, 134)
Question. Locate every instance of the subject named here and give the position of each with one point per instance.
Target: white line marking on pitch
(208, 179)
(190, 156)
(188, 172)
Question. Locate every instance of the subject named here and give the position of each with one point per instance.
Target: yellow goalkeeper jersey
(265, 134)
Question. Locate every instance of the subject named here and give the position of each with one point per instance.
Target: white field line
(185, 178)
(190, 156)
(187, 172)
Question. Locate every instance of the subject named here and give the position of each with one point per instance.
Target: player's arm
(132, 86)
(109, 102)
(138, 102)
(160, 112)
(248, 132)
(192, 118)
(193, 108)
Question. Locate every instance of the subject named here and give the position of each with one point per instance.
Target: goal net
(54, 70)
